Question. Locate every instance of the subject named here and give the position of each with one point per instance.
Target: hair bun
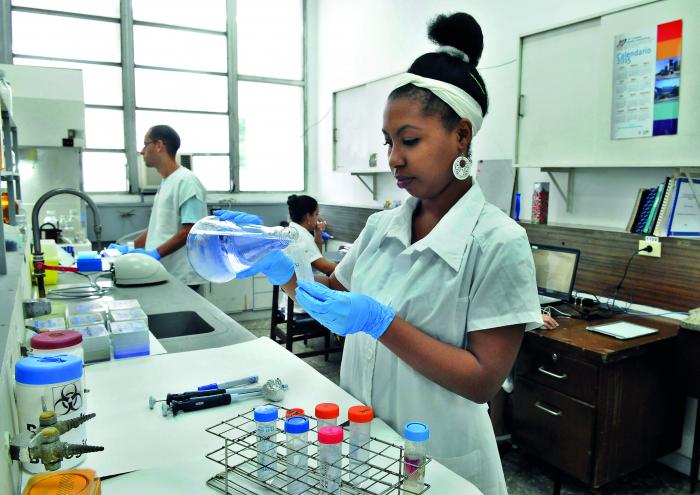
(459, 30)
(291, 199)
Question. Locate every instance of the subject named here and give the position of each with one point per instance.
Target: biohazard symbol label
(67, 399)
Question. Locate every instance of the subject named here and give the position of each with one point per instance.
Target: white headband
(456, 98)
(455, 52)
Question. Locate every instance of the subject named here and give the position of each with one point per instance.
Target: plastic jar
(58, 342)
(326, 414)
(294, 411)
(297, 430)
(56, 381)
(416, 437)
(540, 202)
(330, 457)
(359, 437)
(266, 440)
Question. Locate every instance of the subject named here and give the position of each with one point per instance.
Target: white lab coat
(474, 271)
(165, 220)
(305, 247)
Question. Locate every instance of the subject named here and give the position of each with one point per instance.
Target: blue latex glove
(153, 253)
(344, 313)
(276, 266)
(119, 247)
(238, 217)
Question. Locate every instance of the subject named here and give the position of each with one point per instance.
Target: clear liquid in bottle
(218, 250)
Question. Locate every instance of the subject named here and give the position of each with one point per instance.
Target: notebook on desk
(622, 330)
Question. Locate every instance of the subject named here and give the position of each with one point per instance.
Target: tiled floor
(523, 475)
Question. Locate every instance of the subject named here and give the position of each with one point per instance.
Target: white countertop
(169, 454)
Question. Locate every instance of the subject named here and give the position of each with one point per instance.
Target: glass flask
(218, 250)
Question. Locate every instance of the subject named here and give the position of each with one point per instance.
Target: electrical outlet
(655, 246)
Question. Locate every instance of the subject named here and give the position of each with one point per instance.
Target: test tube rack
(383, 473)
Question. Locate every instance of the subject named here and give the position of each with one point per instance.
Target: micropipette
(232, 383)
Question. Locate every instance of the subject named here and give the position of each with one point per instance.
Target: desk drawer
(554, 427)
(569, 376)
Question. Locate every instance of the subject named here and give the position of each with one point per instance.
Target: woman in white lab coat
(435, 295)
(303, 213)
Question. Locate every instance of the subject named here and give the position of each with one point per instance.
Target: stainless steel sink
(177, 324)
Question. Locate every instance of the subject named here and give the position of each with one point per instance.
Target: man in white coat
(180, 202)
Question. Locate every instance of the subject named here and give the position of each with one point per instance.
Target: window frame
(128, 67)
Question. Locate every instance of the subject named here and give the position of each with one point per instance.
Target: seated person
(303, 213)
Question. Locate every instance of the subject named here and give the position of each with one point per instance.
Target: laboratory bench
(594, 407)
(174, 297)
(168, 454)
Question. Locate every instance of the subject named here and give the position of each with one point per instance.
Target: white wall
(365, 40)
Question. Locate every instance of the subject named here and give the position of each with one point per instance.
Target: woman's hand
(344, 313)
(276, 266)
(238, 217)
(548, 322)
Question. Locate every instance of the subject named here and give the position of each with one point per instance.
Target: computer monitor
(555, 269)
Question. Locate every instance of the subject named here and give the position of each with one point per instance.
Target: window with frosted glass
(105, 8)
(270, 38)
(58, 36)
(271, 134)
(104, 172)
(104, 128)
(181, 90)
(102, 84)
(210, 14)
(199, 132)
(177, 49)
(212, 171)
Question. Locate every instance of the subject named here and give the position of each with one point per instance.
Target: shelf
(373, 174)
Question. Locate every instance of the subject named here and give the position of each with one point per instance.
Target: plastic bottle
(266, 438)
(72, 226)
(540, 202)
(21, 221)
(297, 430)
(218, 250)
(58, 342)
(330, 457)
(50, 217)
(42, 380)
(326, 415)
(359, 437)
(416, 437)
(66, 232)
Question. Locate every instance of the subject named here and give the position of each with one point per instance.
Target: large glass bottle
(218, 249)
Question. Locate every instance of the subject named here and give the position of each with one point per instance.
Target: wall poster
(646, 82)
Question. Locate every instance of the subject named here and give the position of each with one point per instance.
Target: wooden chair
(298, 327)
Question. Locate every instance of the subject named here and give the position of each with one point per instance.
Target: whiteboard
(357, 127)
(566, 89)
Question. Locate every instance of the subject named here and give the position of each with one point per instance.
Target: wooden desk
(595, 407)
(689, 350)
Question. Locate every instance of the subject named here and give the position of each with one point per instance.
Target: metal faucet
(36, 235)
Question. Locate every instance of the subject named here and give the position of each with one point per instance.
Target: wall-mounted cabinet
(568, 87)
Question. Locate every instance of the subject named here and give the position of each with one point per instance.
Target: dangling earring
(461, 167)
